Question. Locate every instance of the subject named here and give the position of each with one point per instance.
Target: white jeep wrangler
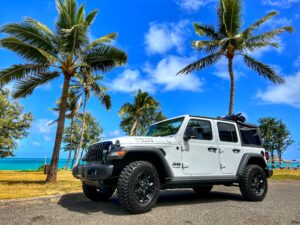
(182, 152)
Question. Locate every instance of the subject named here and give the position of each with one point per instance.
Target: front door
(200, 155)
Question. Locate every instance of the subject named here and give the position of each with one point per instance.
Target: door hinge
(222, 165)
(185, 165)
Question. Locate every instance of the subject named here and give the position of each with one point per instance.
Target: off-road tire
(247, 184)
(203, 190)
(127, 186)
(97, 194)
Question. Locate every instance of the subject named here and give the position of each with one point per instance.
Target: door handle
(212, 149)
(235, 150)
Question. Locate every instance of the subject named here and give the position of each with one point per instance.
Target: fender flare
(158, 152)
(250, 156)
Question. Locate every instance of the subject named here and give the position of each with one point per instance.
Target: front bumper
(93, 172)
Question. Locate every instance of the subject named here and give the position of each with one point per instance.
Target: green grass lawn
(26, 184)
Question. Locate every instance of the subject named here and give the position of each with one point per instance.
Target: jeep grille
(98, 152)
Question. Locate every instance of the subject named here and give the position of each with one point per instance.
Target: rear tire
(203, 190)
(97, 194)
(253, 183)
(138, 187)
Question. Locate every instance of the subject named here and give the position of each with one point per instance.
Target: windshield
(166, 128)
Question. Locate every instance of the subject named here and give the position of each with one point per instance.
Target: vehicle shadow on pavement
(79, 203)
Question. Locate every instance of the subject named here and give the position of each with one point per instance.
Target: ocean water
(27, 164)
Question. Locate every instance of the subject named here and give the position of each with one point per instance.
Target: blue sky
(157, 35)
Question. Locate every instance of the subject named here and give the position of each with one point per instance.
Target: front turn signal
(121, 153)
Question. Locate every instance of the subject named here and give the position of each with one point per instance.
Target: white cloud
(114, 134)
(297, 62)
(161, 77)
(287, 93)
(165, 74)
(42, 126)
(131, 80)
(193, 5)
(163, 37)
(35, 143)
(280, 3)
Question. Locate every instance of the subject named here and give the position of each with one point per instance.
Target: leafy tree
(92, 133)
(138, 116)
(14, 124)
(228, 40)
(86, 85)
(275, 135)
(151, 116)
(283, 139)
(49, 54)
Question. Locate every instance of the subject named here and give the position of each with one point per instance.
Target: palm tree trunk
(77, 158)
(52, 174)
(71, 146)
(133, 128)
(232, 86)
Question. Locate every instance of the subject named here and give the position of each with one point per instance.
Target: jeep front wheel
(138, 187)
(98, 194)
(253, 183)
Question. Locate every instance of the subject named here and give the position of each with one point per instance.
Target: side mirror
(190, 133)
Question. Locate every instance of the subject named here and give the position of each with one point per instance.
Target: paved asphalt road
(223, 206)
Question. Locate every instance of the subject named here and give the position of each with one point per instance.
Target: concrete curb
(40, 200)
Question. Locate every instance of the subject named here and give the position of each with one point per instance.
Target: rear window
(250, 136)
(227, 132)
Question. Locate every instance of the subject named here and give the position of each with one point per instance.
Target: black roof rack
(239, 118)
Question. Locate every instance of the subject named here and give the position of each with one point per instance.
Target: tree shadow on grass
(79, 203)
(13, 182)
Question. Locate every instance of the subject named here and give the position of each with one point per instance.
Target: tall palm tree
(87, 84)
(49, 54)
(228, 40)
(134, 112)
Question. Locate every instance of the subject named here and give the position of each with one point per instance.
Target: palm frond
(20, 71)
(254, 45)
(202, 63)
(267, 36)
(229, 13)
(263, 70)
(27, 51)
(127, 107)
(258, 23)
(105, 58)
(30, 35)
(207, 46)
(40, 26)
(91, 17)
(99, 91)
(105, 39)
(26, 85)
(206, 30)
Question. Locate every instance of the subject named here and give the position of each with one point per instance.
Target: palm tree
(86, 85)
(50, 54)
(228, 40)
(134, 112)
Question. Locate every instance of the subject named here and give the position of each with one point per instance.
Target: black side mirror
(190, 133)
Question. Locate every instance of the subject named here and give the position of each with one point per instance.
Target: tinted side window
(203, 128)
(250, 136)
(227, 132)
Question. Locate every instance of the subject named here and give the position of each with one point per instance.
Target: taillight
(267, 155)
